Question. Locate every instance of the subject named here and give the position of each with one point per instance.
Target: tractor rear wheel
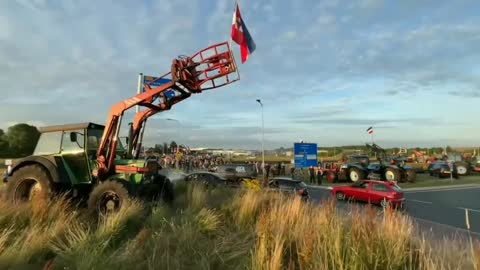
(29, 183)
(355, 174)
(392, 174)
(462, 169)
(108, 197)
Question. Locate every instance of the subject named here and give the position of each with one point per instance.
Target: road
(441, 212)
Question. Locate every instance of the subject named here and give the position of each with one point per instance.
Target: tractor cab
(72, 148)
(361, 160)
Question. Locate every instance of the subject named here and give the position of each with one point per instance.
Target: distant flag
(241, 36)
(370, 130)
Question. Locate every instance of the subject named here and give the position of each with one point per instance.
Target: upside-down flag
(241, 36)
(370, 130)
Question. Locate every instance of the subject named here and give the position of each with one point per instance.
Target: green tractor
(65, 159)
(88, 161)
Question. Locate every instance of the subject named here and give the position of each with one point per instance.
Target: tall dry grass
(294, 235)
(221, 229)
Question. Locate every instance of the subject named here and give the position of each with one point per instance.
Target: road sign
(156, 82)
(305, 155)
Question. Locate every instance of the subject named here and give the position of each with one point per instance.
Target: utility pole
(139, 89)
(263, 142)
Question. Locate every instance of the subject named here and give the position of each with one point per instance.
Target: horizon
(324, 70)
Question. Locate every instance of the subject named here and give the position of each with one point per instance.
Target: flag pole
(230, 38)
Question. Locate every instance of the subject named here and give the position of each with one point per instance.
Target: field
(220, 229)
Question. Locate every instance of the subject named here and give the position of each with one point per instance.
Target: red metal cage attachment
(209, 68)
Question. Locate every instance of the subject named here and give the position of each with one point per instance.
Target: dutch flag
(370, 130)
(241, 36)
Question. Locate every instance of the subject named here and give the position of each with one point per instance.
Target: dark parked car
(442, 169)
(290, 186)
(207, 178)
(236, 172)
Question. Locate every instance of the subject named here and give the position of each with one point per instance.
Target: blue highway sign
(306, 155)
(156, 82)
(153, 82)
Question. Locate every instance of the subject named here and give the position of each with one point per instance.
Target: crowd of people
(190, 162)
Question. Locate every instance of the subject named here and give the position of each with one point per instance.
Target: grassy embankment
(220, 229)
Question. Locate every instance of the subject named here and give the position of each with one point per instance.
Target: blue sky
(325, 70)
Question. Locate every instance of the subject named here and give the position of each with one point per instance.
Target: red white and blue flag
(241, 36)
(370, 130)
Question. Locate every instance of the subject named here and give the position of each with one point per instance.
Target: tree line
(18, 141)
(165, 148)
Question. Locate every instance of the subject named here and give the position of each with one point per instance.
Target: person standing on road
(292, 171)
(319, 176)
(267, 170)
(311, 173)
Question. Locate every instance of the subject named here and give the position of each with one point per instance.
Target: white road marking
(419, 201)
(469, 209)
(446, 225)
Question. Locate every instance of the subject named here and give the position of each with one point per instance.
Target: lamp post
(179, 126)
(263, 141)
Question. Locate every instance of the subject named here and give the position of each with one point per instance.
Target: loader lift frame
(210, 68)
(108, 177)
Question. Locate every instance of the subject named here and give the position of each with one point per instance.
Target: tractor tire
(167, 191)
(462, 169)
(29, 183)
(392, 174)
(108, 197)
(340, 196)
(355, 174)
(411, 176)
(331, 177)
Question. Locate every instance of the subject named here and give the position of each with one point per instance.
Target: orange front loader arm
(210, 68)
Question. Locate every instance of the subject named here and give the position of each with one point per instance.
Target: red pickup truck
(383, 193)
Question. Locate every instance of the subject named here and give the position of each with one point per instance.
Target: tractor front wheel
(355, 174)
(108, 197)
(28, 184)
(392, 174)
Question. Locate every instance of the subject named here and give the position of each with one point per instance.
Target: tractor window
(48, 143)
(76, 146)
(94, 138)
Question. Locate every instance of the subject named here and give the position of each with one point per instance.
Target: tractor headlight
(8, 163)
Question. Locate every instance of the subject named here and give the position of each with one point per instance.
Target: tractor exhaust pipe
(130, 140)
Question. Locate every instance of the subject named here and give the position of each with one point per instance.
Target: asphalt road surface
(439, 212)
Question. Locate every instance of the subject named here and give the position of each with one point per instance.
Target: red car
(383, 193)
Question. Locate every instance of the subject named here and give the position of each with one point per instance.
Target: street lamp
(263, 141)
(179, 126)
